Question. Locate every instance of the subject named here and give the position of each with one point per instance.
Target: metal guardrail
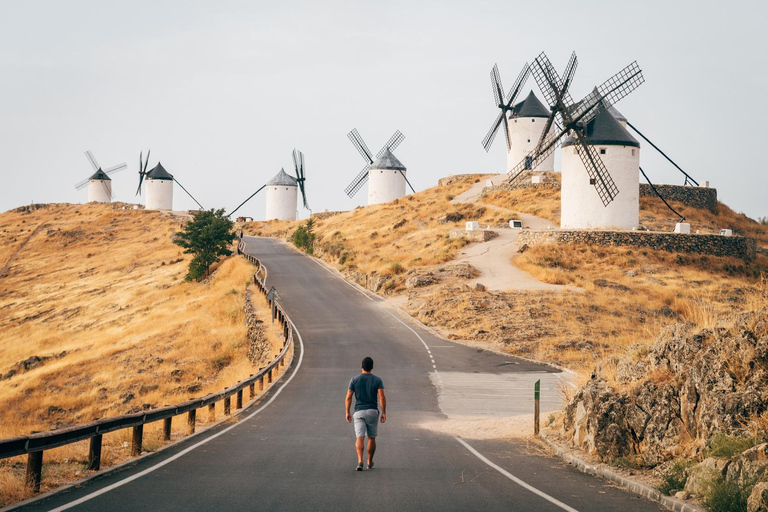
(35, 444)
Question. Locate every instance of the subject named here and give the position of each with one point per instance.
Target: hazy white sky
(223, 91)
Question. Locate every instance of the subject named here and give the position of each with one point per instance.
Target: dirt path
(493, 258)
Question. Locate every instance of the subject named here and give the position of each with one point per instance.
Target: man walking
(368, 390)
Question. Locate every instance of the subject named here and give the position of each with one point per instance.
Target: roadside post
(536, 393)
(272, 297)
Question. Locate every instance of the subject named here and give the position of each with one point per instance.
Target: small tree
(208, 237)
(304, 236)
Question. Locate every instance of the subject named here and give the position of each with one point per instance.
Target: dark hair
(367, 364)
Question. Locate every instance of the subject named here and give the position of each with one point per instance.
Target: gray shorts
(366, 422)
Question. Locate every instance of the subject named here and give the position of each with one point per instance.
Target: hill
(97, 320)
(627, 295)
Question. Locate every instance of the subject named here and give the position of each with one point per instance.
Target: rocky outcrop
(758, 499)
(669, 402)
(258, 346)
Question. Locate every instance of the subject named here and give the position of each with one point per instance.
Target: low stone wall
(324, 215)
(715, 245)
(697, 197)
(458, 177)
(477, 235)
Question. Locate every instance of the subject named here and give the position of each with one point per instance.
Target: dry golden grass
(98, 321)
(375, 241)
(541, 202)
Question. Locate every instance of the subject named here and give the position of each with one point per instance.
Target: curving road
(294, 451)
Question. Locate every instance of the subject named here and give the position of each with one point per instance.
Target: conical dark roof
(388, 161)
(100, 175)
(283, 179)
(530, 107)
(159, 173)
(605, 130)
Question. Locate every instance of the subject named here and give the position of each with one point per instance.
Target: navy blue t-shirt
(366, 387)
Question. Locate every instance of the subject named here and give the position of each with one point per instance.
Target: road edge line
(159, 465)
(515, 479)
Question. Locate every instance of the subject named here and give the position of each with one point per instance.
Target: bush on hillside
(208, 236)
(304, 236)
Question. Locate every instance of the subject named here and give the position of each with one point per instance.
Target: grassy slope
(574, 329)
(100, 293)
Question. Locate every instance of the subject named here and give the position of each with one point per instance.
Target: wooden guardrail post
(191, 420)
(252, 389)
(269, 376)
(261, 383)
(138, 437)
(536, 389)
(239, 401)
(212, 412)
(167, 429)
(227, 406)
(94, 453)
(34, 470)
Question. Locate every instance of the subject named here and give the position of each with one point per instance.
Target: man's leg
(359, 448)
(371, 449)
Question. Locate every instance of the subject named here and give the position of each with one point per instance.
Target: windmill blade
(570, 70)
(358, 182)
(298, 158)
(610, 92)
(408, 182)
(550, 121)
(304, 196)
(108, 190)
(146, 162)
(488, 139)
(190, 195)
(80, 185)
(550, 143)
(598, 173)
(506, 132)
(359, 144)
(92, 160)
(116, 168)
(498, 89)
(518, 85)
(392, 143)
(249, 198)
(547, 79)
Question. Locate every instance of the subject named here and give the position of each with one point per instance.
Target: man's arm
(383, 402)
(348, 404)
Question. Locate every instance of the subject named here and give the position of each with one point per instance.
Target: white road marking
(515, 479)
(358, 290)
(187, 450)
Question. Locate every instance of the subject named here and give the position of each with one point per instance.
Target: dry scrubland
(98, 321)
(629, 294)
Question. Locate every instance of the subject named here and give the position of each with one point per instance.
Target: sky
(222, 92)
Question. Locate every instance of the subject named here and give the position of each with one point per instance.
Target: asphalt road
(297, 452)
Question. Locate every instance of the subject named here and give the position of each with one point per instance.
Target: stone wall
(476, 235)
(697, 197)
(324, 215)
(458, 177)
(715, 245)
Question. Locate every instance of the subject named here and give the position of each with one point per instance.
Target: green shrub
(304, 236)
(725, 446)
(396, 268)
(727, 495)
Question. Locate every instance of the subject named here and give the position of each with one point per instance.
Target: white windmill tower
(386, 176)
(282, 192)
(528, 120)
(588, 165)
(620, 153)
(159, 186)
(99, 183)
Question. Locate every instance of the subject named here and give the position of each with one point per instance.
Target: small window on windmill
(592, 181)
(529, 140)
(633, 152)
(602, 151)
(515, 120)
(533, 120)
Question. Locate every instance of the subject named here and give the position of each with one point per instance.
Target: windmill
(99, 183)
(282, 192)
(386, 185)
(159, 186)
(504, 103)
(572, 118)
